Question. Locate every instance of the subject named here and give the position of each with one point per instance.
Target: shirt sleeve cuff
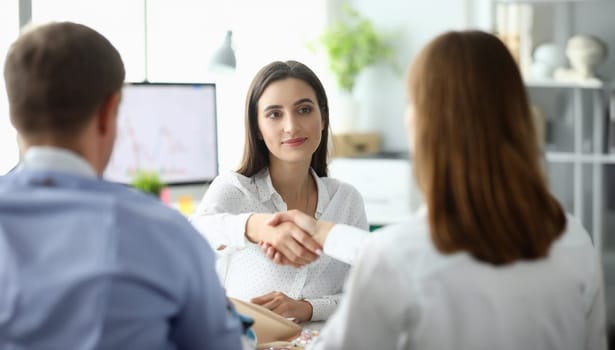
(322, 308)
(238, 227)
(344, 243)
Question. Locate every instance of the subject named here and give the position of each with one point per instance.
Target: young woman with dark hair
(284, 167)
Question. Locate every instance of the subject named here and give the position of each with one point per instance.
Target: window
(9, 29)
(120, 21)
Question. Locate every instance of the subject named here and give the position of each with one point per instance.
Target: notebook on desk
(268, 326)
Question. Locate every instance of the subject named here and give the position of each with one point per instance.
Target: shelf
(567, 157)
(590, 85)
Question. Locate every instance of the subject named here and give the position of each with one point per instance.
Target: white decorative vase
(343, 113)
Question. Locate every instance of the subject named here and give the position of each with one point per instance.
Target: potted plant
(148, 182)
(351, 44)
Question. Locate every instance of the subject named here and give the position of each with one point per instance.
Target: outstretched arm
(340, 241)
(223, 220)
(373, 313)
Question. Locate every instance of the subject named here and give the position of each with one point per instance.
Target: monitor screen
(168, 128)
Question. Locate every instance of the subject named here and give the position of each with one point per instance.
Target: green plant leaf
(148, 181)
(352, 44)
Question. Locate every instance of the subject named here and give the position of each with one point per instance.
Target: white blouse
(404, 294)
(244, 270)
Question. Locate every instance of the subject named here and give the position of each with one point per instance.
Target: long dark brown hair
(476, 152)
(255, 153)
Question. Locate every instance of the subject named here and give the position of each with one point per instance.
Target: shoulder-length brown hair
(255, 152)
(476, 152)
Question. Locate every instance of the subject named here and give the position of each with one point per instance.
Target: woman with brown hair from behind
(491, 261)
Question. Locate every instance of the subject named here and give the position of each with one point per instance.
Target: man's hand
(290, 240)
(281, 304)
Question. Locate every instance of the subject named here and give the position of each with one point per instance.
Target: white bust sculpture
(585, 53)
(547, 58)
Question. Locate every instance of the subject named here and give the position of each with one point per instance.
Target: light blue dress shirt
(87, 264)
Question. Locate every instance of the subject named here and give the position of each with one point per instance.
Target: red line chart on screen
(170, 129)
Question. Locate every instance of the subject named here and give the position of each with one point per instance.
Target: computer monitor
(167, 128)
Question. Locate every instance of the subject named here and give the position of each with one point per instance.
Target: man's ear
(108, 112)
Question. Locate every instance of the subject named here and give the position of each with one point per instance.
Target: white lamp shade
(224, 57)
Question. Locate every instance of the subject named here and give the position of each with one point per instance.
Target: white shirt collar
(56, 159)
(264, 185)
(266, 190)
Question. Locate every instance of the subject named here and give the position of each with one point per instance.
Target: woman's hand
(291, 241)
(318, 229)
(281, 304)
(273, 254)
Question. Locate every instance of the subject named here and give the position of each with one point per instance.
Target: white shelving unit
(588, 158)
(580, 153)
(588, 150)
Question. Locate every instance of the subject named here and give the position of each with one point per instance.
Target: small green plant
(352, 44)
(148, 181)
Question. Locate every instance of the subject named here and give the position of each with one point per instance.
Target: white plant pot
(344, 113)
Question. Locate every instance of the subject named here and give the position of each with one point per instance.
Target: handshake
(288, 238)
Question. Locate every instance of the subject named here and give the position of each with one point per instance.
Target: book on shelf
(514, 23)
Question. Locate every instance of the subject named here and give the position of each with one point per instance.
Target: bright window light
(119, 21)
(9, 29)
